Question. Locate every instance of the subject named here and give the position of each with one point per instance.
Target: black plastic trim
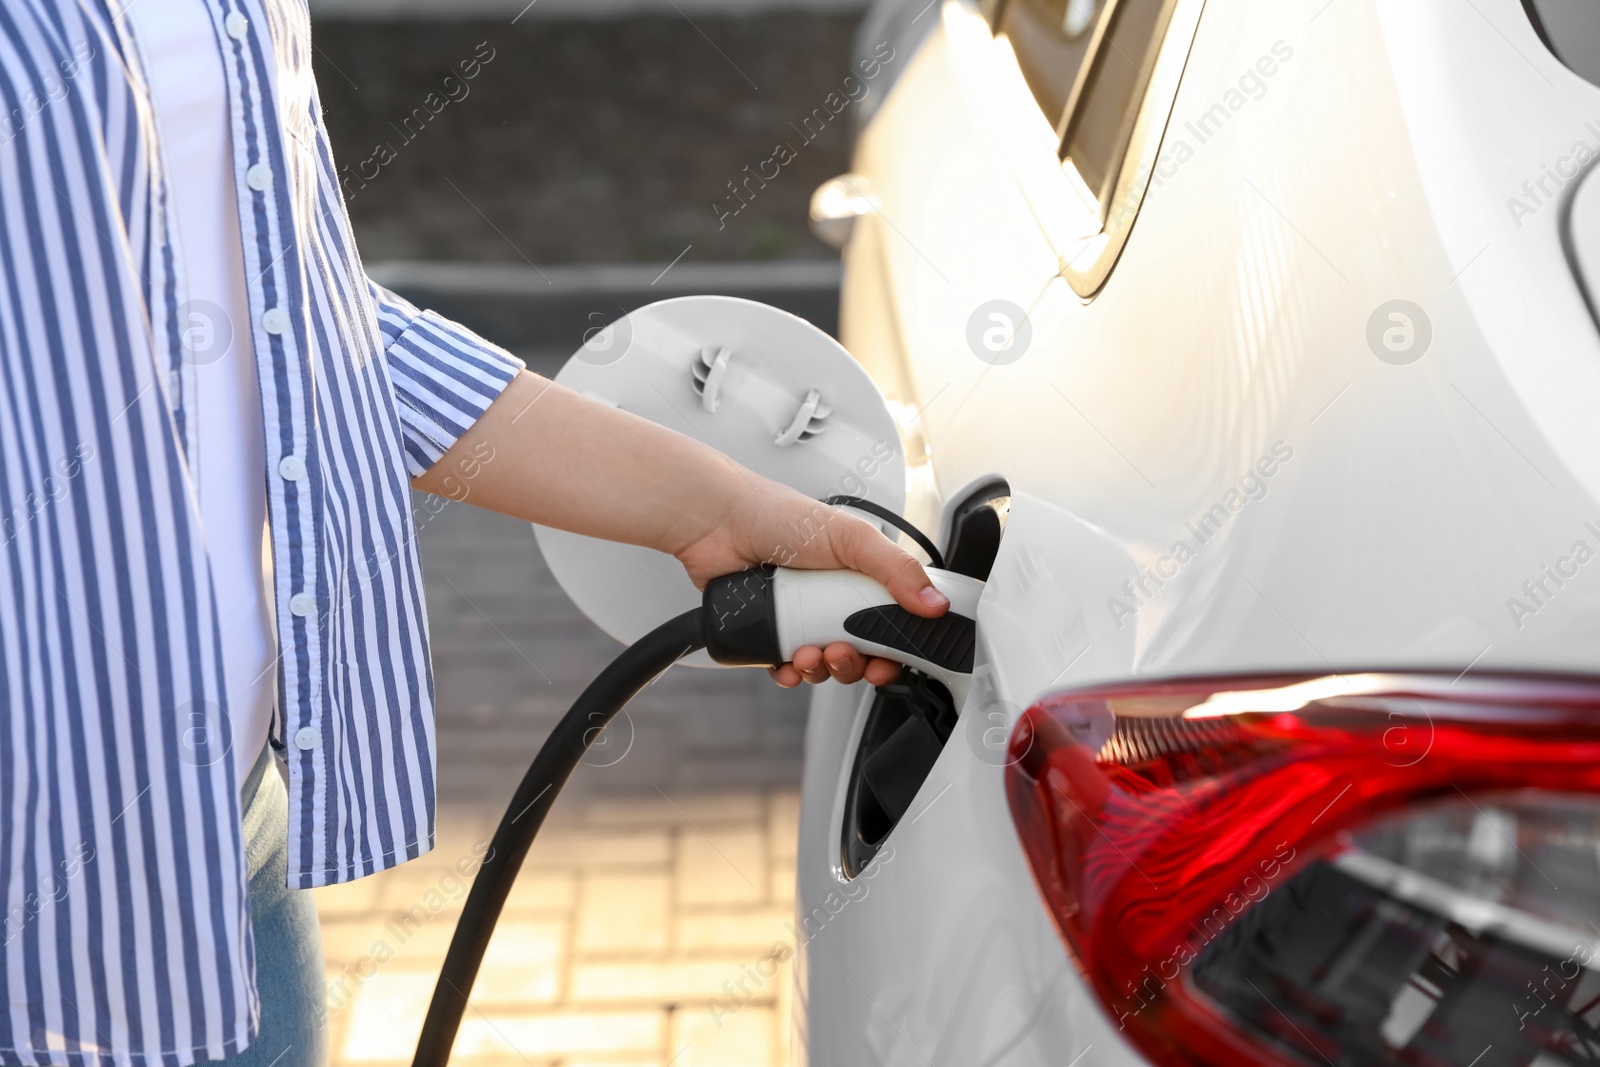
(899, 522)
(949, 641)
(977, 525)
(740, 618)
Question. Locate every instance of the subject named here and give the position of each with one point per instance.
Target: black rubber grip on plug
(948, 641)
(740, 620)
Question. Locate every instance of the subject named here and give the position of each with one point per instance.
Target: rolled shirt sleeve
(445, 376)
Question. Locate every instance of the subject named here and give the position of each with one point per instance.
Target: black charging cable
(622, 679)
(861, 503)
(738, 616)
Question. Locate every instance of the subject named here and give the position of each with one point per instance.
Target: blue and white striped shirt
(126, 936)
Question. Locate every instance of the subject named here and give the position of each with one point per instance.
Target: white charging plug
(762, 617)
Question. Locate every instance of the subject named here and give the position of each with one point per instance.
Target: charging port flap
(911, 719)
(761, 386)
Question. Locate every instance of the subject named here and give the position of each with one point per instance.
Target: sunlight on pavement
(648, 931)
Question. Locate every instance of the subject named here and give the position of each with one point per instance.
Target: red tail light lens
(1369, 869)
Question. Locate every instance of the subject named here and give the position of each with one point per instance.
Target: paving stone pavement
(650, 924)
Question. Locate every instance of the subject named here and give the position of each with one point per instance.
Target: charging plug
(761, 617)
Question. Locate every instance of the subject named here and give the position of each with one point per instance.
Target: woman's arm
(563, 460)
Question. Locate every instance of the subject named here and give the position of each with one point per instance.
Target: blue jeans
(289, 967)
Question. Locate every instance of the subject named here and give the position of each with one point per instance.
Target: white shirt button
(302, 604)
(307, 737)
(259, 177)
(276, 320)
(236, 25)
(293, 468)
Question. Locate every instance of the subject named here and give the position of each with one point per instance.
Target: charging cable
(622, 678)
(754, 618)
(861, 503)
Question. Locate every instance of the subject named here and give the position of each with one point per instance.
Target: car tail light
(1360, 869)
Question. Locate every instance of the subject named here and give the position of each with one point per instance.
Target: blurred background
(536, 170)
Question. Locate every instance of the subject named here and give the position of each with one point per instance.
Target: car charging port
(976, 525)
(912, 717)
(910, 721)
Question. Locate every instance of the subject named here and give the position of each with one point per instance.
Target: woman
(210, 422)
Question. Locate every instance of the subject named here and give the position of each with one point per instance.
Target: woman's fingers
(838, 661)
(845, 664)
(881, 671)
(786, 676)
(808, 661)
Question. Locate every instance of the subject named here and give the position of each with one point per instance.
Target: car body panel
(1408, 502)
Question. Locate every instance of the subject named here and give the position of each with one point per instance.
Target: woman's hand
(548, 455)
(771, 523)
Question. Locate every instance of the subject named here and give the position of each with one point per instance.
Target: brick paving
(650, 924)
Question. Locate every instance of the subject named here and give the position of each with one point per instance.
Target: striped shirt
(126, 934)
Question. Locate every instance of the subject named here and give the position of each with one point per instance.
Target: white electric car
(1248, 350)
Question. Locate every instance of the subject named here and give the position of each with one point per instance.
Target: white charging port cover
(764, 365)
